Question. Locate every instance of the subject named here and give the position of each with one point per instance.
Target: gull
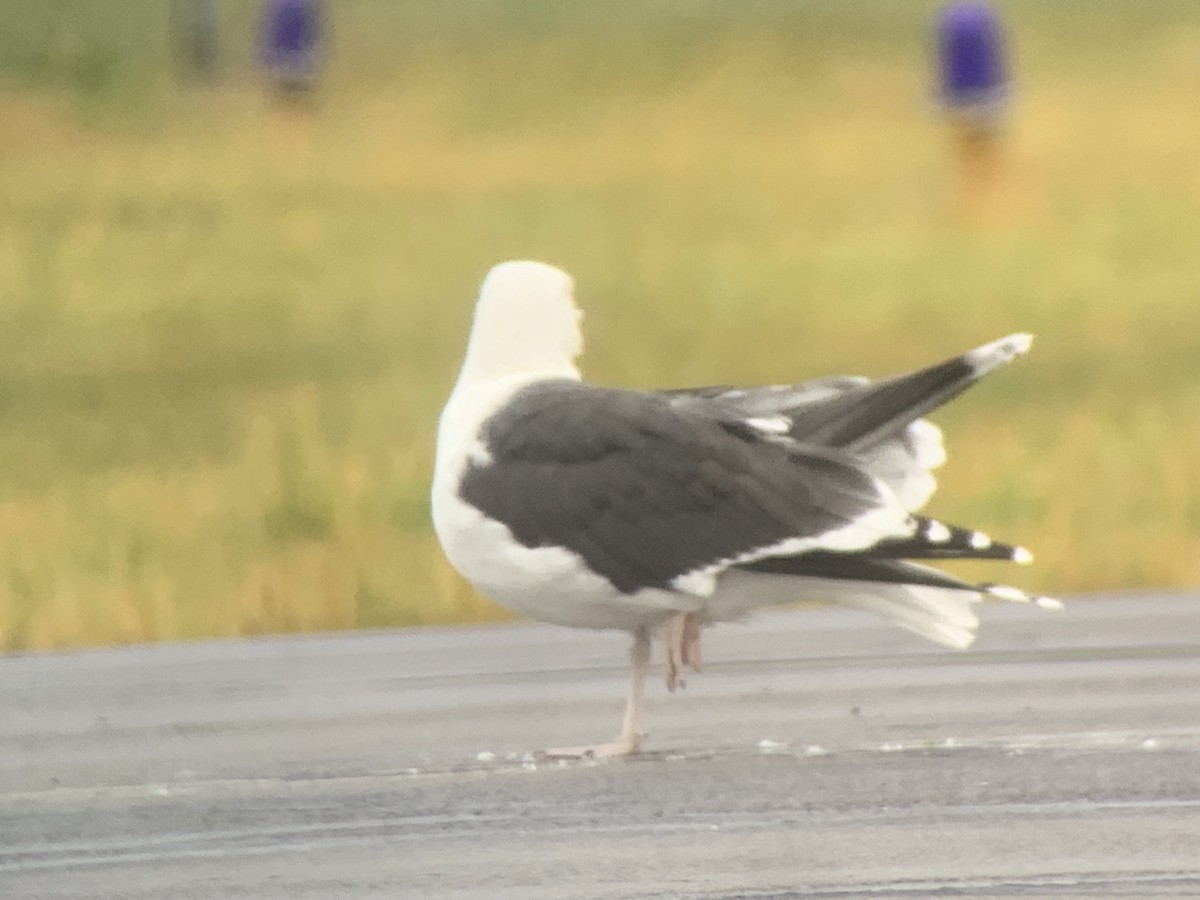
(662, 512)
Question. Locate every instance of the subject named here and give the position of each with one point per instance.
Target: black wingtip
(934, 539)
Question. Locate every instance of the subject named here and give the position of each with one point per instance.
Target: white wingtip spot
(1021, 556)
(997, 353)
(936, 532)
(770, 424)
(1020, 342)
(1048, 602)
(979, 540)
(1005, 592)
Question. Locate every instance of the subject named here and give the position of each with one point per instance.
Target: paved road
(821, 754)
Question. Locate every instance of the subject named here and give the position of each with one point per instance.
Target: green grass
(226, 328)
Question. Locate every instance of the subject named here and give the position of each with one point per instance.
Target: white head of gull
(661, 512)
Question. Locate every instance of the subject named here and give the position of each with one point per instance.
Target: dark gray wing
(903, 458)
(847, 412)
(647, 491)
(852, 413)
(880, 422)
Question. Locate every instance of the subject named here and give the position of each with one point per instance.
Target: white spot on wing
(979, 540)
(936, 532)
(770, 424)
(1005, 592)
(997, 353)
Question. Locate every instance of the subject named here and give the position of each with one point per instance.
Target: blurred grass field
(227, 327)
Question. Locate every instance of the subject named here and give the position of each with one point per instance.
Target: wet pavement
(821, 754)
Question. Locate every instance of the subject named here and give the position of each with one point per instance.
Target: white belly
(549, 584)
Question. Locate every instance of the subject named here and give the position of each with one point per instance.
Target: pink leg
(630, 739)
(682, 639)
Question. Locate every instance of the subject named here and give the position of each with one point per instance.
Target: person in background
(291, 45)
(195, 33)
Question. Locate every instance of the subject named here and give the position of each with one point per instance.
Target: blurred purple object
(291, 39)
(971, 57)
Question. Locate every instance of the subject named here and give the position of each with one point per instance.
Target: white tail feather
(945, 616)
(941, 615)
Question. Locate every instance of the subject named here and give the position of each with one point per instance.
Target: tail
(943, 615)
(929, 602)
(880, 423)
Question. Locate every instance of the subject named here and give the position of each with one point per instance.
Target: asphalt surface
(821, 754)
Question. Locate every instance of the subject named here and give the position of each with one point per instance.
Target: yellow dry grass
(226, 327)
